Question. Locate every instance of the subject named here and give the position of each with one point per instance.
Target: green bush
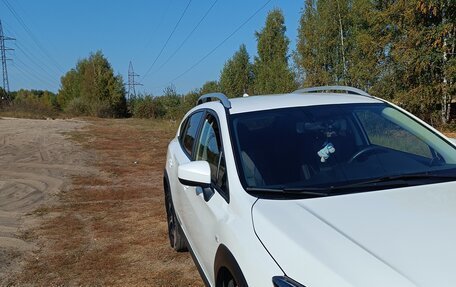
(30, 109)
(144, 108)
(36, 104)
(103, 110)
(77, 107)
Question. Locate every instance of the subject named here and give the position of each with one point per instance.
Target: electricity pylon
(131, 81)
(3, 50)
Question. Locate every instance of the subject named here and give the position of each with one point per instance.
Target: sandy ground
(36, 163)
(81, 204)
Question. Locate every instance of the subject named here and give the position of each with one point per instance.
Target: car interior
(298, 147)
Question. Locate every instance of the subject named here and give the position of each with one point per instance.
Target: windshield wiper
(376, 183)
(399, 180)
(307, 192)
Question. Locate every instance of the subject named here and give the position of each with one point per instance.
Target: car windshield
(335, 146)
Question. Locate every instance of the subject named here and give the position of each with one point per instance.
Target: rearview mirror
(195, 173)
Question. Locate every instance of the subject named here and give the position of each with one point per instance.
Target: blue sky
(51, 35)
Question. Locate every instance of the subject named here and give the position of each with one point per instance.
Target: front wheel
(228, 281)
(226, 278)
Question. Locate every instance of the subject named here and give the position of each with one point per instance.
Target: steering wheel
(363, 151)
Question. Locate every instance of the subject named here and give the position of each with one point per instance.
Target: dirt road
(36, 163)
(81, 204)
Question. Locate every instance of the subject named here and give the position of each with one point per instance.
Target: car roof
(277, 101)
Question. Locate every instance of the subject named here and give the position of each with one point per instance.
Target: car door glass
(209, 148)
(383, 132)
(190, 131)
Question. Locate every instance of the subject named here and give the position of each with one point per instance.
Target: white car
(323, 187)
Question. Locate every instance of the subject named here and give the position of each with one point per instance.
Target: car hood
(399, 237)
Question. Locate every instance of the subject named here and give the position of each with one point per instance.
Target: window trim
(198, 130)
(224, 194)
(182, 128)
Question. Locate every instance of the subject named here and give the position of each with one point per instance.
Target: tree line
(400, 50)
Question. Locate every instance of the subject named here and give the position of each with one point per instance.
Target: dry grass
(111, 229)
(450, 134)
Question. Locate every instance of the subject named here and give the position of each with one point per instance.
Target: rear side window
(190, 130)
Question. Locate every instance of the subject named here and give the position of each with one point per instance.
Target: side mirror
(195, 173)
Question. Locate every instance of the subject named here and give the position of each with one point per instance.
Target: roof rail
(349, 90)
(219, 96)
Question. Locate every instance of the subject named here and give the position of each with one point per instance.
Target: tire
(226, 279)
(229, 274)
(176, 235)
(229, 282)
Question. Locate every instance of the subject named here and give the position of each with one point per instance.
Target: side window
(383, 132)
(190, 129)
(209, 148)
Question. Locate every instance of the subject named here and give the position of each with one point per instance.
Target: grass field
(111, 229)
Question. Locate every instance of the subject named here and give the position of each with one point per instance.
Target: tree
(322, 44)
(309, 58)
(422, 49)
(210, 87)
(93, 83)
(70, 88)
(237, 74)
(272, 73)
(169, 103)
(401, 50)
(366, 40)
(190, 100)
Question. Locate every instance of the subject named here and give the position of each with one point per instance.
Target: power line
(222, 42)
(30, 72)
(37, 61)
(160, 22)
(33, 73)
(32, 36)
(167, 40)
(187, 37)
(34, 77)
(30, 64)
(34, 60)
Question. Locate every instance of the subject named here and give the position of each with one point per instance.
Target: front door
(208, 217)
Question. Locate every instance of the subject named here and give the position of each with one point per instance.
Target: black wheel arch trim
(225, 259)
(165, 178)
(166, 184)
